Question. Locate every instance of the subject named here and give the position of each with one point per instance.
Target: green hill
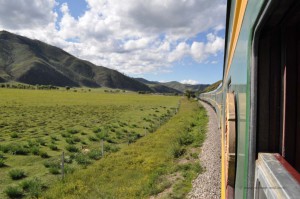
(172, 87)
(212, 87)
(183, 87)
(34, 62)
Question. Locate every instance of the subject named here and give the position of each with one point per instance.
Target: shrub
(95, 154)
(15, 149)
(17, 174)
(72, 148)
(53, 147)
(54, 170)
(52, 163)
(53, 166)
(14, 135)
(76, 139)
(41, 141)
(54, 138)
(83, 142)
(31, 143)
(4, 148)
(65, 135)
(44, 154)
(93, 139)
(70, 141)
(73, 131)
(111, 148)
(32, 187)
(2, 156)
(13, 192)
(186, 139)
(97, 130)
(2, 162)
(103, 135)
(69, 169)
(68, 160)
(82, 159)
(177, 151)
(35, 150)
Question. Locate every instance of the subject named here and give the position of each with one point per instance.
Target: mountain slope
(172, 87)
(183, 87)
(157, 86)
(212, 87)
(34, 62)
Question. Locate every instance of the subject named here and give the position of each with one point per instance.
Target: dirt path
(207, 185)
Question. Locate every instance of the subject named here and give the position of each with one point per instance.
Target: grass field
(160, 165)
(36, 126)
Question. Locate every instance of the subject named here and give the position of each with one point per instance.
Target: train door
(290, 148)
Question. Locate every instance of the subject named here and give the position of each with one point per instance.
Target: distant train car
(258, 102)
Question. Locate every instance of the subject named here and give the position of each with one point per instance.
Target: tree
(189, 94)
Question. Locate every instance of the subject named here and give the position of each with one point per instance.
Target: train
(258, 101)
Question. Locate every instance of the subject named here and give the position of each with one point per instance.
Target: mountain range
(34, 62)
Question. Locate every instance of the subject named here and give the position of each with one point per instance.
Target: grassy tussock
(141, 169)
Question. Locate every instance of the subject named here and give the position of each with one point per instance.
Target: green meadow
(150, 146)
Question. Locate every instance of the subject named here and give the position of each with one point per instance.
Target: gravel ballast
(208, 183)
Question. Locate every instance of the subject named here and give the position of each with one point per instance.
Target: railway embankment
(207, 184)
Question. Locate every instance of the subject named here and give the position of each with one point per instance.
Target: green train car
(258, 102)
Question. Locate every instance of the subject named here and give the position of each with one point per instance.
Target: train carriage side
(258, 103)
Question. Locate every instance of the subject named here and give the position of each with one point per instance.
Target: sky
(159, 40)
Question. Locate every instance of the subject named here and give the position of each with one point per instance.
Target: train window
(278, 85)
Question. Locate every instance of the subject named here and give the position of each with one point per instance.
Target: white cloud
(133, 36)
(189, 81)
(21, 14)
(201, 51)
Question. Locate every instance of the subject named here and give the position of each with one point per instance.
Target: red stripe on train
(288, 167)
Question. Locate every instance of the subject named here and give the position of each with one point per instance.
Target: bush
(97, 130)
(54, 138)
(13, 192)
(76, 139)
(17, 174)
(186, 139)
(70, 141)
(53, 166)
(65, 135)
(4, 148)
(95, 154)
(2, 162)
(93, 139)
(111, 148)
(53, 147)
(15, 149)
(73, 140)
(44, 154)
(14, 135)
(35, 150)
(31, 143)
(2, 156)
(54, 170)
(41, 141)
(32, 187)
(82, 159)
(73, 131)
(177, 151)
(52, 163)
(69, 169)
(72, 148)
(68, 160)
